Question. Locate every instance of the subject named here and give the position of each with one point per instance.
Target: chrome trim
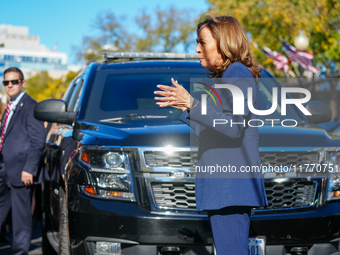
(114, 171)
(156, 208)
(107, 239)
(150, 175)
(169, 174)
(145, 168)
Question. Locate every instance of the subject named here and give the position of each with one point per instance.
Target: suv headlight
(334, 176)
(110, 174)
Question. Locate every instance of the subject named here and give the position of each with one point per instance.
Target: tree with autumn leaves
(42, 86)
(267, 21)
(161, 30)
(173, 29)
(164, 30)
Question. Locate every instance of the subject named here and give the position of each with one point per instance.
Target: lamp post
(301, 42)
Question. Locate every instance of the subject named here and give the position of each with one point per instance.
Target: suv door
(54, 153)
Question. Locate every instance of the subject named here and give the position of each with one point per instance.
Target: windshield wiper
(133, 116)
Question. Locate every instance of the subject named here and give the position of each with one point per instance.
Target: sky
(67, 21)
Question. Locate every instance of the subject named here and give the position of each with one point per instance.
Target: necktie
(5, 123)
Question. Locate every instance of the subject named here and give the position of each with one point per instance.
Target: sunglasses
(14, 82)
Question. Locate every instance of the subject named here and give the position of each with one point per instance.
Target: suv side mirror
(320, 111)
(53, 110)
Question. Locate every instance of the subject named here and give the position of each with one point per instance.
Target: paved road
(35, 248)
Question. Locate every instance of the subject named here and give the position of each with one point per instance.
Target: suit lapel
(18, 108)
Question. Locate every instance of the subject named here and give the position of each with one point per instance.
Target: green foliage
(171, 28)
(161, 31)
(112, 33)
(42, 86)
(268, 20)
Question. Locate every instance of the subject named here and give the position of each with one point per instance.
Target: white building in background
(19, 49)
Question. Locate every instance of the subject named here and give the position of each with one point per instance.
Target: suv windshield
(123, 94)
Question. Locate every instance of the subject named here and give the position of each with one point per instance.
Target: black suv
(129, 167)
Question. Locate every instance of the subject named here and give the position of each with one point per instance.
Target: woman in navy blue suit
(227, 195)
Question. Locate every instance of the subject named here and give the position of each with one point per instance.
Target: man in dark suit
(21, 146)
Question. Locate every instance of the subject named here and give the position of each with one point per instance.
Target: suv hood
(147, 132)
(301, 136)
(174, 132)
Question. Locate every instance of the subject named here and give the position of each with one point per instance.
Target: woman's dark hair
(15, 70)
(232, 42)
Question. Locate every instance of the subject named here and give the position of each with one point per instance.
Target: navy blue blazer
(23, 143)
(234, 147)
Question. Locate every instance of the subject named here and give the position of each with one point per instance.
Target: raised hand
(177, 96)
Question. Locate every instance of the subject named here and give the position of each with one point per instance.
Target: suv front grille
(288, 194)
(174, 194)
(188, 158)
(176, 159)
(288, 158)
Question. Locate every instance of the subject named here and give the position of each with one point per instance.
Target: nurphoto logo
(238, 104)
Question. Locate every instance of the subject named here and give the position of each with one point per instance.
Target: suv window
(118, 94)
(68, 93)
(74, 101)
